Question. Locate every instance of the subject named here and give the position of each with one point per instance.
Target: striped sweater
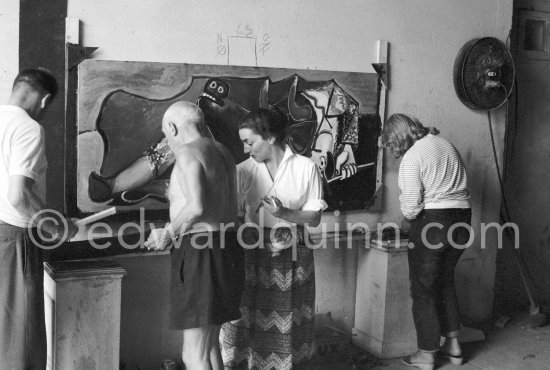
(432, 175)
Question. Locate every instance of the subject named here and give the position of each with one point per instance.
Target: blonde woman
(435, 202)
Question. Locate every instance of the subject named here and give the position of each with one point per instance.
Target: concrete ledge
(382, 348)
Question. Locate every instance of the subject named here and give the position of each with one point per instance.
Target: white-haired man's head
(183, 122)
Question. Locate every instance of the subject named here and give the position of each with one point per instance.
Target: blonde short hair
(400, 132)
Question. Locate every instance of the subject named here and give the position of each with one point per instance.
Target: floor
(516, 346)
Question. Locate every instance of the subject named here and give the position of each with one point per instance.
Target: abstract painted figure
(323, 124)
(337, 131)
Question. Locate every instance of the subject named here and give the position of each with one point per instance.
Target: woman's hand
(296, 216)
(273, 205)
(158, 240)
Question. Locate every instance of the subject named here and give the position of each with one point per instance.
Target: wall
(23, 44)
(44, 46)
(9, 45)
(527, 168)
(424, 38)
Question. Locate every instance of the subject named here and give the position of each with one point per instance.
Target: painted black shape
(356, 191)
(130, 124)
(216, 89)
(223, 114)
(99, 189)
(223, 121)
(301, 137)
(284, 94)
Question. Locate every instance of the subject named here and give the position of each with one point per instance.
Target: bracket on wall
(74, 54)
(381, 65)
(382, 70)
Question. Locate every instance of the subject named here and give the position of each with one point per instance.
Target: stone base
(82, 307)
(383, 310)
(380, 348)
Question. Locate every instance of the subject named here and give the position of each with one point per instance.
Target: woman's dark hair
(400, 132)
(40, 79)
(267, 123)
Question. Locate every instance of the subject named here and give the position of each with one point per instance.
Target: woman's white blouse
(297, 184)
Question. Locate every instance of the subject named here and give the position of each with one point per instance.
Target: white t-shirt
(297, 184)
(23, 153)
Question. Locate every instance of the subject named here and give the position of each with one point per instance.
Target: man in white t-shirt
(22, 183)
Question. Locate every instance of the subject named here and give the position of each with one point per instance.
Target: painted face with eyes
(216, 90)
(255, 146)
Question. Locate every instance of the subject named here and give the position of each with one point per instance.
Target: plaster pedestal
(82, 306)
(383, 319)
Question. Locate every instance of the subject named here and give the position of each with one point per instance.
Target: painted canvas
(124, 160)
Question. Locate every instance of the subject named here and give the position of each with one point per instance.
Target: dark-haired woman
(281, 192)
(435, 200)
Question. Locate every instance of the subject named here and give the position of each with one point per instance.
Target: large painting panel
(123, 158)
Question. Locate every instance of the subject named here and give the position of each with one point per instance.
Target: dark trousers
(432, 263)
(22, 326)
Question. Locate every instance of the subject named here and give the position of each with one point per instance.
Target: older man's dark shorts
(207, 280)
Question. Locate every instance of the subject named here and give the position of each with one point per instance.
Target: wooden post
(382, 68)
(74, 54)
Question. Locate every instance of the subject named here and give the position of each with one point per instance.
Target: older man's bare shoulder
(200, 145)
(186, 152)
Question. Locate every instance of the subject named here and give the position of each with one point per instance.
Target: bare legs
(451, 345)
(424, 360)
(450, 349)
(201, 348)
(215, 353)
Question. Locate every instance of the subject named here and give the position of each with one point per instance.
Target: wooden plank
(74, 54)
(382, 61)
(72, 30)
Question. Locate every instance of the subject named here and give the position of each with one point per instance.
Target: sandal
(455, 360)
(421, 365)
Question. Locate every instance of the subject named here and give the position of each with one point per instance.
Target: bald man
(207, 263)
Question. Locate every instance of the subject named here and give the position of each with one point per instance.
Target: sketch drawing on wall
(124, 160)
